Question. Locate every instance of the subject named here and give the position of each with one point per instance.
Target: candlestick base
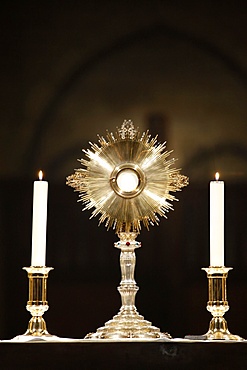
(217, 304)
(218, 330)
(37, 327)
(128, 324)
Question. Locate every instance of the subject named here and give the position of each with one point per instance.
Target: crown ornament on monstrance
(127, 179)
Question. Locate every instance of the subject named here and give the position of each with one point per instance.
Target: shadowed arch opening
(70, 81)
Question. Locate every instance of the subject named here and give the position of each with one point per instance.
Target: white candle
(40, 195)
(217, 222)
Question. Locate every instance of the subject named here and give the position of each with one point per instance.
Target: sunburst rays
(127, 149)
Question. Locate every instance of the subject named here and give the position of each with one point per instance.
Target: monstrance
(127, 180)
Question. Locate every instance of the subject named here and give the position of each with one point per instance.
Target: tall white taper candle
(40, 196)
(217, 222)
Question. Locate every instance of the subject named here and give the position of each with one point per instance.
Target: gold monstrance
(127, 180)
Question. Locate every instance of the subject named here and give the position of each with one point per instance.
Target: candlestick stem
(217, 304)
(128, 324)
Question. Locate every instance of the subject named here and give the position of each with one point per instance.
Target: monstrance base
(128, 325)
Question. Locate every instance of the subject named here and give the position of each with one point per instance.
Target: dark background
(70, 70)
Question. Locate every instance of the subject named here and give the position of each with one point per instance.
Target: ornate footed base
(37, 327)
(128, 325)
(218, 330)
(36, 331)
(33, 338)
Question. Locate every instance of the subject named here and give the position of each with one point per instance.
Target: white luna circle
(127, 180)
